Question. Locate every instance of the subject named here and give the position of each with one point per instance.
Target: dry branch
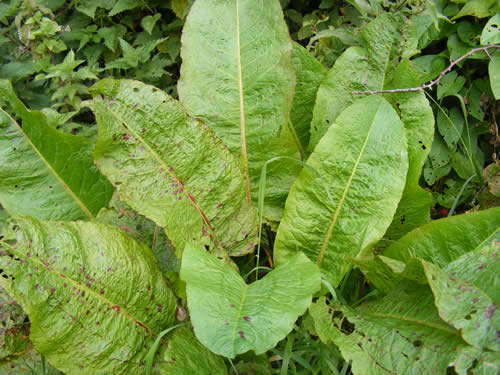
(436, 81)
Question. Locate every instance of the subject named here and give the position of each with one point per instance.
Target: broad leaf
(416, 114)
(185, 355)
(27, 363)
(386, 39)
(142, 230)
(45, 173)
(95, 298)
(471, 360)
(309, 73)
(237, 75)
(348, 74)
(361, 164)
(398, 334)
(442, 241)
(439, 242)
(466, 293)
(494, 73)
(171, 168)
(230, 317)
(491, 31)
(478, 8)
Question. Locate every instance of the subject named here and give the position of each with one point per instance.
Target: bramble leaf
(491, 31)
(123, 5)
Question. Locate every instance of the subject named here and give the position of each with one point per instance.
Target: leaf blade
(69, 279)
(241, 82)
(231, 317)
(56, 177)
(172, 169)
(349, 216)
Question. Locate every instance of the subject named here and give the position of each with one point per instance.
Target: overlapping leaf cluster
(268, 151)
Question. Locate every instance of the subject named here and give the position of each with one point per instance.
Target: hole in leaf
(417, 343)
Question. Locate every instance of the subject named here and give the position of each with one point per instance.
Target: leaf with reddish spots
(231, 317)
(59, 315)
(179, 155)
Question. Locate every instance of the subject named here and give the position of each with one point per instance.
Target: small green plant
(264, 146)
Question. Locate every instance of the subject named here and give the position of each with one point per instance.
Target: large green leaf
(348, 74)
(442, 241)
(142, 230)
(96, 299)
(439, 242)
(386, 39)
(416, 114)
(231, 317)
(478, 8)
(465, 291)
(467, 294)
(398, 334)
(361, 164)
(186, 355)
(45, 173)
(237, 74)
(310, 72)
(171, 168)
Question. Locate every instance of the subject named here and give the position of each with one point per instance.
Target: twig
(436, 81)
(154, 238)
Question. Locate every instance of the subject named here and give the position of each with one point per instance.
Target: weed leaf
(231, 317)
(363, 159)
(171, 168)
(44, 173)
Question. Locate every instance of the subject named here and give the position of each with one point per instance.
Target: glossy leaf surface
(362, 165)
(237, 75)
(231, 317)
(96, 299)
(44, 173)
(171, 168)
